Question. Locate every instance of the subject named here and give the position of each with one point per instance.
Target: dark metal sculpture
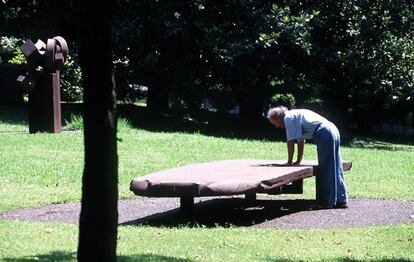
(42, 82)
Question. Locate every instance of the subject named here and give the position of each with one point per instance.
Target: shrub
(8, 48)
(75, 123)
(287, 100)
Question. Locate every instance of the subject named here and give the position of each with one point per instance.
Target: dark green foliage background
(352, 61)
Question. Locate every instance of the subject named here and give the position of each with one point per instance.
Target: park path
(234, 211)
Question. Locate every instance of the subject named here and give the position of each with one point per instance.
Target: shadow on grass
(228, 212)
(383, 143)
(232, 126)
(209, 123)
(14, 114)
(340, 259)
(59, 256)
(18, 114)
(203, 122)
(151, 257)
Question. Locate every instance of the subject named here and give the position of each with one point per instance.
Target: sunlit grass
(39, 169)
(57, 242)
(53, 163)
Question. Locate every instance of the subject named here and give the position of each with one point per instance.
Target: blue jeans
(330, 183)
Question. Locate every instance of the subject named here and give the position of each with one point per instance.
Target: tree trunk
(99, 212)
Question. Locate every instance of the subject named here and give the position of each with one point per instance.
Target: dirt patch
(234, 211)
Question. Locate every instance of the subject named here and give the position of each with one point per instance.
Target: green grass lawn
(47, 168)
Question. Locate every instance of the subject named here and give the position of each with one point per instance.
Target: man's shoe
(341, 205)
(320, 207)
(337, 206)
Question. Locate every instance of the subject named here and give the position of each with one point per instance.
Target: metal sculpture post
(42, 82)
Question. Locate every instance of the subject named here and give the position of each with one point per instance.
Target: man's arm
(301, 145)
(291, 150)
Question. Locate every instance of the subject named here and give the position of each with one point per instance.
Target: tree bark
(99, 212)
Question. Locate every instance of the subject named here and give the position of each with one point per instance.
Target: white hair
(276, 112)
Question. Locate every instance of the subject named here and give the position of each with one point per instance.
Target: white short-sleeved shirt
(301, 124)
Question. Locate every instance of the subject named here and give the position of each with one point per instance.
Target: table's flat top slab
(226, 177)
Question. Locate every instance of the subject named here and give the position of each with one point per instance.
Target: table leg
(187, 204)
(250, 197)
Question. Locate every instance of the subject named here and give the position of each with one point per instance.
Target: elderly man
(302, 124)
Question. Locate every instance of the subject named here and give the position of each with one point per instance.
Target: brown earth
(234, 211)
